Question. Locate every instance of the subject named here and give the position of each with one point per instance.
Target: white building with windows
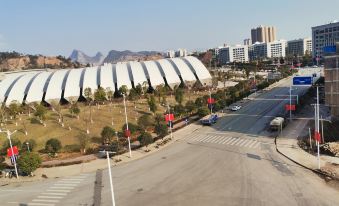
(237, 53)
(299, 47)
(181, 53)
(263, 50)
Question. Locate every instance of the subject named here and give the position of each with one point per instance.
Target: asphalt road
(232, 163)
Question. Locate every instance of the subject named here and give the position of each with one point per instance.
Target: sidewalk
(287, 145)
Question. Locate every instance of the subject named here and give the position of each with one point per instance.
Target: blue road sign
(302, 80)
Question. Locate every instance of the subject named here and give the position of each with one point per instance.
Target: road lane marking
(213, 140)
(39, 204)
(50, 197)
(70, 182)
(55, 190)
(54, 193)
(59, 187)
(65, 184)
(208, 138)
(43, 200)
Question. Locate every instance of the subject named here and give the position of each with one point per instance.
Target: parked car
(235, 107)
(209, 120)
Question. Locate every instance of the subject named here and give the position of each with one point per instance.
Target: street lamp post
(27, 143)
(129, 141)
(10, 143)
(110, 177)
(170, 122)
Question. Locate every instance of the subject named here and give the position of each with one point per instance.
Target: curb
(304, 166)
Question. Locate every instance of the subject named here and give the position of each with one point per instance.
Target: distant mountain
(82, 58)
(115, 56)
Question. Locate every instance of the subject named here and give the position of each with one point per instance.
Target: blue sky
(59, 26)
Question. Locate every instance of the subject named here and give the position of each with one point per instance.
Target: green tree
(133, 95)
(53, 145)
(138, 90)
(74, 109)
(132, 127)
(179, 95)
(107, 134)
(203, 111)
(29, 162)
(145, 121)
(88, 94)
(160, 126)
(40, 112)
(109, 93)
(190, 106)
(123, 90)
(14, 109)
(145, 139)
(100, 95)
(83, 142)
(151, 103)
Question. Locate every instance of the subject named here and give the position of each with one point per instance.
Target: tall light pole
(170, 122)
(27, 143)
(10, 143)
(210, 99)
(129, 141)
(290, 107)
(110, 177)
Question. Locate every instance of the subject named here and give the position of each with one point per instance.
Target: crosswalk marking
(43, 200)
(250, 145)
(65, 184)
(219, 138)
(56, 190)
(50, 197)
(59, 187)
(53, 193)
(40, 204)
(241, 141)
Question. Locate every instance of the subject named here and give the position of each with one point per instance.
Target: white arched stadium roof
(36, 86)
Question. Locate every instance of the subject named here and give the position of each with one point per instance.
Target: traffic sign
(289, 107)
(302, 80)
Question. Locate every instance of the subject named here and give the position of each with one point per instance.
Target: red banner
(289, 107)
(15, 151)
(169, 117)
(210, 101)
(317, 136)
(127, 133)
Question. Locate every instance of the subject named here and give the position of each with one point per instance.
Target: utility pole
(210, 98)
(129, 141)
(110, 177)
(318, 126)
(290, 107)
(9, 134)
(170, 122)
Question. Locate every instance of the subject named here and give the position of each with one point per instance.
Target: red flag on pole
(127, 133)
(210, 101)
(169, 117)
(15, 151)
(317, 136)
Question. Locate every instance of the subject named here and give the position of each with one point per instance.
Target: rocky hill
(114, 56)
(81, 57)
(10, 61)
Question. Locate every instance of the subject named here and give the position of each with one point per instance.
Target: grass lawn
(102, 116)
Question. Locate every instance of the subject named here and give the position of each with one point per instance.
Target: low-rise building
(181, 53)
(299, 47)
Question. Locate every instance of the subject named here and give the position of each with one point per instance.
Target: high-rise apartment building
(299, 47)
(237, 53)
(263, 34)
(322, 36)
(247, 42)
(331, 71)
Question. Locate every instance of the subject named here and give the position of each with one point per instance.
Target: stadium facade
(69, 84)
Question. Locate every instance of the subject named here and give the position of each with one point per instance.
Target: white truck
(277, 123)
